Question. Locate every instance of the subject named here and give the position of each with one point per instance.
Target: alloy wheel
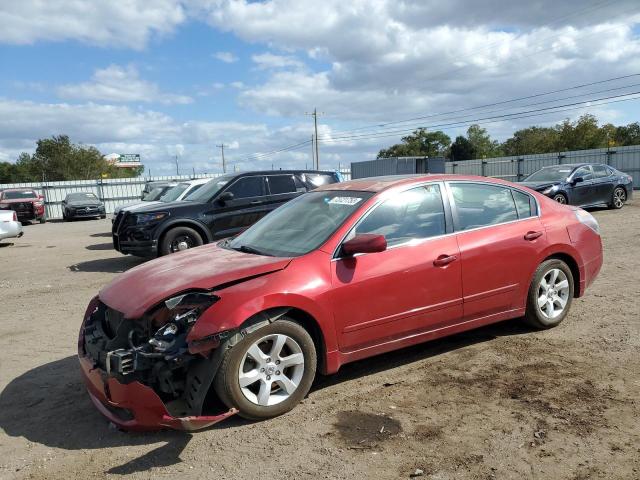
(619, 197)
(560, 199)
(553, 293)
(271, 370)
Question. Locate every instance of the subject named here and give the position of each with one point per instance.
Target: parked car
(176, 193)
(149, 186)
(28, 205)
(221, 208)
(10, 226)
(336, 275)
(82, 205)
(583, 184)
(152, 196)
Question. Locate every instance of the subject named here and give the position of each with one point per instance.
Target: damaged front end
(143, 373)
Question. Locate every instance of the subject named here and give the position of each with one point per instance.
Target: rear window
(17, 195)
(281, 184)
(480, 205)
(319, 179)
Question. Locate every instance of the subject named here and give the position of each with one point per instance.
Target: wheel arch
(301, 317)
(573, 266)
(202, 230)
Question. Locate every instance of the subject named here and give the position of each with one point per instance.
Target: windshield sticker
(344, 201)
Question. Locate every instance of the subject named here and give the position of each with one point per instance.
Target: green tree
(531, 140)
(462, 149)
(421, 143)
(483, 145)
(627, 134)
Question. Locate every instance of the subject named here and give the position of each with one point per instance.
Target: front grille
(22, 207)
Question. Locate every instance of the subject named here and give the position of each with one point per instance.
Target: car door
(412, 286)
(603, 183)
(248, 205)
(582, 193)
(501, 239)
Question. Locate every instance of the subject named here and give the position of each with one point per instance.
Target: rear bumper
(134, 406)
(10, 230)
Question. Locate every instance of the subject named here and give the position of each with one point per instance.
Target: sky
(167, 78)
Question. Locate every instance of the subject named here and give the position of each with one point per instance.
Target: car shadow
(6, 244)
(102, 234)
(49, 404)
(107, 265)
(100, 246)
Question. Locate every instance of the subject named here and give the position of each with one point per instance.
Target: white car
(176, 193)
(10, 227)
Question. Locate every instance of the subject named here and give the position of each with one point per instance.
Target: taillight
(15, 217)
(587, 219)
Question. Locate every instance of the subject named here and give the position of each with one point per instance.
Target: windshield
(550, 174)
(18, 194)
(173, 193)
(209, 189)
(74, 197)
(301, 225)
(155, 194)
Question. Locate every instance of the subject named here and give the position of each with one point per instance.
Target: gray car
(10, 226)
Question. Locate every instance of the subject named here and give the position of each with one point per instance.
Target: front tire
(269, 371)
(550, 294)
(561, 198)
(179, 239)
(618, 198)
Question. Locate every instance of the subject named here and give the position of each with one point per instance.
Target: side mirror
(364, 243)
(577, 180)
(225, 197)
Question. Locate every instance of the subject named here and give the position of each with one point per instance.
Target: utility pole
(315, 127)
(313, 154)
(177, 168)
(224, 165)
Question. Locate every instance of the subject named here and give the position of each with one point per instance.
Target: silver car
(10, 227)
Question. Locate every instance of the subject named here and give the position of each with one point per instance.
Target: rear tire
(178, 239)
(274, 382)
(550, 294)
(618, 198)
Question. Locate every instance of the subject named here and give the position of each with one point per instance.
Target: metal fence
(516, 168)
(112, 191)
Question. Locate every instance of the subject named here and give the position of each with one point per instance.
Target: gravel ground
(499, 402)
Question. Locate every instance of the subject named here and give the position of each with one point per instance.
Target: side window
(610, 171)
(600, 171)
(247, 187)
(281, 184)
(413, 214)
(479, 205)
(584, 172)
(523, 204)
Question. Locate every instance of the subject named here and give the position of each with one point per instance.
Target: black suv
(220, 208)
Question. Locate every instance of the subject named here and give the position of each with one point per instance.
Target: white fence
(112, 191)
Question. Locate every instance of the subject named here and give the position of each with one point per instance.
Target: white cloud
(119, 84)
(269, 60)
(128, 23)
(226, 57)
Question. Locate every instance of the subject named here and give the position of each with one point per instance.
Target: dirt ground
(500, 402)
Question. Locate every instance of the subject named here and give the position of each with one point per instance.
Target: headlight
(143, 218)
(587, 219)
(549, 190)
(177, 315)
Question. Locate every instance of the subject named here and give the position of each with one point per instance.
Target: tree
(482, 143)
(462, 149)
(627, 134)
(420, 143)
(531, 140)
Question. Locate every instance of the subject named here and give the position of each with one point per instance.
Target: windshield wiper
(250, 249)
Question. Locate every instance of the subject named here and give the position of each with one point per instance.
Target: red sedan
(339, 274)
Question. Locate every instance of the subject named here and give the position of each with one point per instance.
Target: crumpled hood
(538, 186)
(135, 291)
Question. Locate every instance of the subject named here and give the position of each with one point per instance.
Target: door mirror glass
(364, 243)
(225, 197)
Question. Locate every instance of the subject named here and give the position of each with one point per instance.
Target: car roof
(378, 184)
(19, 189)
(280, 172)
(198, 181)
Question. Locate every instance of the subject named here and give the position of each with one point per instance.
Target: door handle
(255, 202)
(532, 235)
(444, 260)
